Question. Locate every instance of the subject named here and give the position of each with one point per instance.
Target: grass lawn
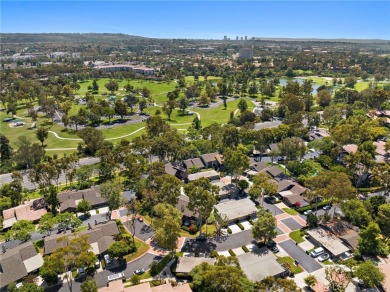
(296, 236)
(210, 229)
(142, 248)
(290, 211)
(360, 86)
(190, 79)
(289, 262)
(328, 262)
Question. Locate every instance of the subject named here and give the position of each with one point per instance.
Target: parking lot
(307, 262)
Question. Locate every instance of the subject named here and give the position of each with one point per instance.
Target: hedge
(244, 248)
(214, 254)
(251, 222)
(232, 253)
(240, 225)
(229, 231)
(156, 268)
(312, 207)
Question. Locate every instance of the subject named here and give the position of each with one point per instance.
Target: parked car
(107, 260)
(97, 264)
(8, 120)
(201, 237)
(317, 252)
(115, 277)
(140, 219)
(81, 272)
(273, 246)
(307, 212)
(271, 200)
(139, 272)
(327, 207)
(323, 257)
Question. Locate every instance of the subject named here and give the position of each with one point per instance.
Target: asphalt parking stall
(306, 261)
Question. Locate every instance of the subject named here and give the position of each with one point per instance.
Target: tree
(93, 139)
(46, 224)
(324, 97)
(42, 134)
(95, 86)
(120, 108)
(225, 278)
(236, 162)
(264, 227)
(142, 105)
(83, 206)
(28, 154)
(167, 225)
(371, 243)
(381, 176)
(242, 105)
(135, 166)
(155, 126)
(383, 219)
(119, 249)
(201, 195)
(168, 107)
(355, 213)
(293, 148)
(167, 189)
(21, 230)
(350, 82)
(131, 101)
(112, 192)
(338, 277)
(72, 253)
(310, 280)
(50, 195)
(5, 148)
(203, 99)
(89, 286)
(369, 274)
(183, 104)
(16, 188)
(67, 220)
(112, 86)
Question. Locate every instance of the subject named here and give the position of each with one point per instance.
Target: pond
(283, 82)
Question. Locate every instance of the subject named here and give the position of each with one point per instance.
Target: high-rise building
(246, 53)
(246, 38)
(225, 38)
(236, 38)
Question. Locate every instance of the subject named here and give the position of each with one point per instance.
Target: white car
(307, 212)
(323, 257)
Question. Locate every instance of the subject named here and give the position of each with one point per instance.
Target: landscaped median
(297, 236)
(290, 211)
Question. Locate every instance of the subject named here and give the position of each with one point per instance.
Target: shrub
(251, 222)
(214, 254)
(232, 253)
(244, 248)
(135, 280)
(313, 206)
(193, 229)
(156, 268)
(185, 228)
(240, 225)
(229, 231)
(103, 262)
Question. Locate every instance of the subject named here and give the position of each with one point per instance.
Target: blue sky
(202, 19)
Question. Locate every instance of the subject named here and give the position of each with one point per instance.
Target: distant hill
(13, 38)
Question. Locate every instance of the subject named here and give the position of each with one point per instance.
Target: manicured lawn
(296, 236)
(289, 262)
(290, 211)
(360, 86)
(142, 248)
(210, 229)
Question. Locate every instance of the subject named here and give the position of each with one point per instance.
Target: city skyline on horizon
(206, 20)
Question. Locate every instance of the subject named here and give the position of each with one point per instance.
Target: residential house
(181, 205)
(31, 210)
(100, 237)
(348, 233)
(210, 174)
(237, 209)
(345, 151)
(292, 193)
(18, 262)
(318, 134)
(69, 200)
(226, 190)
(176, 169)
(381, 154)
(328, 241)
(212, 160)
(194, 162)
(261, 263)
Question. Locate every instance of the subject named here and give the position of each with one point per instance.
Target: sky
(201, 19)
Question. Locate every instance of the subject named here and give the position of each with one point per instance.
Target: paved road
(101, 278)
(142, 230)
(37, 235)
(306, 261)
(6, 178)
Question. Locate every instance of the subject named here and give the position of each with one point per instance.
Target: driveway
(142, 230)
(101, 278)
(306, 261)
(272, 208)
(219, 244)
(291, 223)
